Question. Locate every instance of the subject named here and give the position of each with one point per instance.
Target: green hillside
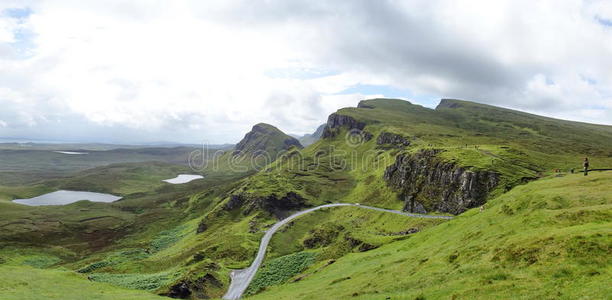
(27, 283)
(550, 239)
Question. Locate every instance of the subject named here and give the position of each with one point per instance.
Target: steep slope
(259, 147)
(547, 239)
(265, 139)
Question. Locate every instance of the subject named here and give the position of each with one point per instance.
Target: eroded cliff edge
(426, 183)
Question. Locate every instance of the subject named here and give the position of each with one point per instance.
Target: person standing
(585, 164)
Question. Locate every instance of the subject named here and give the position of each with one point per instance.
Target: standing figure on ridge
(585, 164)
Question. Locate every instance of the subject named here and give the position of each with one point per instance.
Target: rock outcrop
(363, 104)
(428, 183)
(198, 289)
(275, 205)
(388, 138)
(337, 121)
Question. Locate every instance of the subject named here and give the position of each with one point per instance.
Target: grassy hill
(27, 283)
(549, 239)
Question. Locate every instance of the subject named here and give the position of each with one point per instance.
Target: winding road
(240, 279)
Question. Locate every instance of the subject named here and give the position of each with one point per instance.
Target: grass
(335, 232)
(138, 281)
(555, 243)
(26, 283)
(280, 270)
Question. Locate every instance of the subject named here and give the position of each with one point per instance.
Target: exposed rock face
(199, 288)
(388, 138)
(362, 104)
(265, 137)
(448, 103)
(428, 183)
(180, 291)
(202, 227)
(337, 121)
(278, 206)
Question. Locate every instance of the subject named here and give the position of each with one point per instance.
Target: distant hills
(310, 138)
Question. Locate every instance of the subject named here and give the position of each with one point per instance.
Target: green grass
(26, 283)
(280, 270)
(547, 239)
(337, 231)
(139, 281)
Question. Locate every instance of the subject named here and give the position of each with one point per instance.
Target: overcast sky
(206, 71)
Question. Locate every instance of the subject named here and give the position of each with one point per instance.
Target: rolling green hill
(549, 239)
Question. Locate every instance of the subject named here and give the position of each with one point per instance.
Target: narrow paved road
(240, 279)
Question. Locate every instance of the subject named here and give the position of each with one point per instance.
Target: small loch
(63, 197)
(183, 178)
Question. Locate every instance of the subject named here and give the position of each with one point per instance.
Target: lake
(63, 197)
(70, 152)
(183, 178)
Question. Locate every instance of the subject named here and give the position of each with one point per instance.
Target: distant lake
(70, 152)
(183, 178)
(63, 197)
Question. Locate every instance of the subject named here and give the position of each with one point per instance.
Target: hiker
(585, 164)
(482, 208)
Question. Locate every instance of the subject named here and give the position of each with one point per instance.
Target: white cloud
(193, 70)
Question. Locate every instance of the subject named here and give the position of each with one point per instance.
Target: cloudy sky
(195, 71)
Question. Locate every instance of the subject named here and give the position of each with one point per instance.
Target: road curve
(240, 279)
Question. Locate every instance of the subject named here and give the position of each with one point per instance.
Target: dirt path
(240, 279)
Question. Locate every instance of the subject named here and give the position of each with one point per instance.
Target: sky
(206, 71)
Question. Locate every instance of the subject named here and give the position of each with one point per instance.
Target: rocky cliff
(279, 206)
(428, 183)
(392, 139)
(336, 121)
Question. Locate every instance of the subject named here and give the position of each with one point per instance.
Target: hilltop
(265, 139)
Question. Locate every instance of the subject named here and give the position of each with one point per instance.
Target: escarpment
(392, 139)
(428, 183)
(337, 121)
(279, 206)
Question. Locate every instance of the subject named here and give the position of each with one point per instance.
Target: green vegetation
(134, 281)
(25, 283)
(548, 239)
(279, 270)
(335, 232)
